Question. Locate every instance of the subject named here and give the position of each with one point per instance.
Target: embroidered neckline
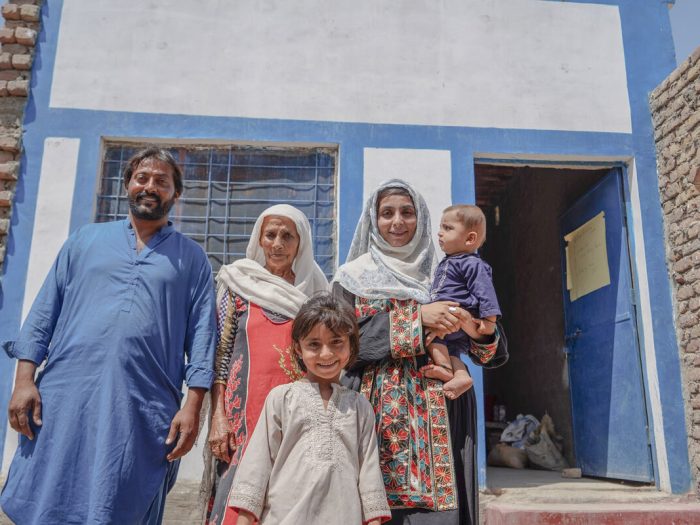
(321, 430)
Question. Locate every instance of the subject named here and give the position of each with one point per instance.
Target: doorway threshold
(538, 497)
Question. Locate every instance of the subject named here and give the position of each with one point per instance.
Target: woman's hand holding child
(442, 316)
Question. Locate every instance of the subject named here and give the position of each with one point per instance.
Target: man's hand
(25, 399)
(185, 424)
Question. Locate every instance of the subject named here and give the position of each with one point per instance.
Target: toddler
(313, 455)
(464, 278)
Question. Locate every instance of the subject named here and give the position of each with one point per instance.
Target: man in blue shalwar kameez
(123, 305)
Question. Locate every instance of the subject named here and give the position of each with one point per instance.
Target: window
(227, 187)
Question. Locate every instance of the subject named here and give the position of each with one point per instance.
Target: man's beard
(159, 211)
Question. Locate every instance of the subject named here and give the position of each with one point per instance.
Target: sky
(685, 25)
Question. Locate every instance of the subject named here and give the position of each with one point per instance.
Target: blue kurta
(114, 326)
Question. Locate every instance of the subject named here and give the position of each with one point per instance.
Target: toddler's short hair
(323, 308)
(471, 216)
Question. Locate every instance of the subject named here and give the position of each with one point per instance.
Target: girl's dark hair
(154, 153)
(334, 314)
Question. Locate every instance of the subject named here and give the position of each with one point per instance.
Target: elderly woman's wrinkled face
(279, 240)
(396, 219)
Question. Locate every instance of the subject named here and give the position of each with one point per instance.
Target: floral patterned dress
(254, 355)
(427, 450)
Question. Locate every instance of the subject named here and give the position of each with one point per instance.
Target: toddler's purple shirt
(466, 279)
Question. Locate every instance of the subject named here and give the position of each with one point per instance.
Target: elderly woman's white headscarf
(376, 270)
(249, 278)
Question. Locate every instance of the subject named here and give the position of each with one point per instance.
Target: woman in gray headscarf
(426, 443)
(257, 299)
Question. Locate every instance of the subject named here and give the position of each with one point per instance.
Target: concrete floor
(548, 486)
(534, 497)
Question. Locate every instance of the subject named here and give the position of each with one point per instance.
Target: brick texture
(676, 111)
(18, 39)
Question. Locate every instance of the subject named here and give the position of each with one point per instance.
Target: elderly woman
(257, 298)
(426, 443)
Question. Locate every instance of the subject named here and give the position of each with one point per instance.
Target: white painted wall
(59, 167)
(523, 64)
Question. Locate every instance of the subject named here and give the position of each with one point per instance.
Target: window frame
(227, 255)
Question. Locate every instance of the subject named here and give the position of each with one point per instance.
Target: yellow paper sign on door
(587, 258)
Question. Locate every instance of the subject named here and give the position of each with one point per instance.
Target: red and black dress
(254, 355)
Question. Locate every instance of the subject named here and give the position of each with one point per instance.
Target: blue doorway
(601, 341)
(525, 207)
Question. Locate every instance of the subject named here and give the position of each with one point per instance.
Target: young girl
(313, 455)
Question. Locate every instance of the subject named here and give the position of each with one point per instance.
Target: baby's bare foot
(434, 371)
(457, 386)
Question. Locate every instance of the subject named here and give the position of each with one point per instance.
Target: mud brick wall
(676, 111)
(18, 40)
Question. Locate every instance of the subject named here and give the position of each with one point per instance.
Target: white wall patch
(522, 64)
(54, 203)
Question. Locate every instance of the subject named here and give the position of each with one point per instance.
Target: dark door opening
(523, 206)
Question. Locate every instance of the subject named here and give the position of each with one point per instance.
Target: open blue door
(611, 435)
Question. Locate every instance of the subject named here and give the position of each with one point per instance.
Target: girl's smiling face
(324, 354)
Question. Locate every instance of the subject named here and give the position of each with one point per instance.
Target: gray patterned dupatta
(376, 270)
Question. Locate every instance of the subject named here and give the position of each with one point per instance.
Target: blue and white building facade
(417, 90)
